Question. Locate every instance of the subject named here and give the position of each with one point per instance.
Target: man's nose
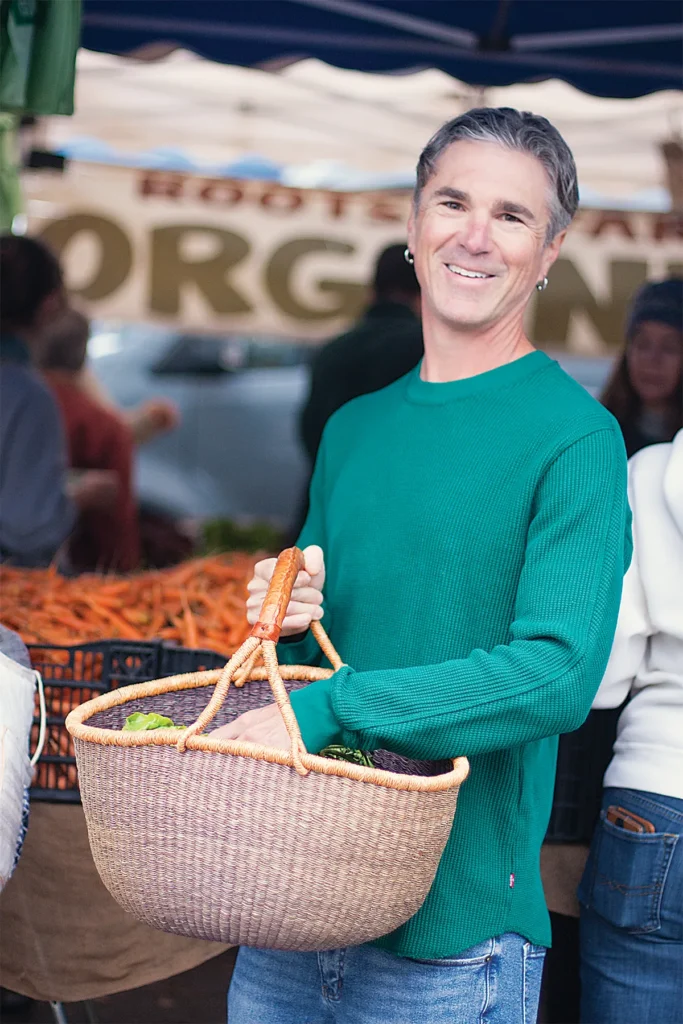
(476, 235)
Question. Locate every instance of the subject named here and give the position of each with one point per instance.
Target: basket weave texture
(249, 845)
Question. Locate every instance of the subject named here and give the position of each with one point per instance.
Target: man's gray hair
(517, 130)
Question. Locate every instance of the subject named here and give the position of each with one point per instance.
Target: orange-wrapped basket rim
(77, 726)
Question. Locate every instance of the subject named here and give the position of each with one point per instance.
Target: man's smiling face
(478, 235)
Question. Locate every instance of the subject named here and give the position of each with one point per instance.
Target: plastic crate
(177, 661)
(73, 675)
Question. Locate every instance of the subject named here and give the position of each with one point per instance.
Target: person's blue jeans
(631, 897)
(495, 982)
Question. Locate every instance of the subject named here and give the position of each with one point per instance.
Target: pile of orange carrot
(198, 604)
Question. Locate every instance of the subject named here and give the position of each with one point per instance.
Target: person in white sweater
(631, 893)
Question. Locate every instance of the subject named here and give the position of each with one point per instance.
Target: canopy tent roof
(599, 46)
(320, 126)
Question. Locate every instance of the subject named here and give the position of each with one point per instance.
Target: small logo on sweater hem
(512, 881)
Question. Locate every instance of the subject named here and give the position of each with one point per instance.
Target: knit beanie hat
(661, 301)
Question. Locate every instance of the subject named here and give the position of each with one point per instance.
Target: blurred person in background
(645, 392)
(384, 345)
(105, 539)
(147, 421)
(12, 647)
(163, 541)
(38, 504)
(631, 893)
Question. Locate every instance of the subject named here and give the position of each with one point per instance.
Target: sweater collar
(422, 392)
(14, 350)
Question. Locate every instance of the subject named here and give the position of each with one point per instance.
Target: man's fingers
(264, 570)
(236, 733)
(262, 577)
(302, 598)
(242, 722)
(303, 611)
(228, 732)
(307, 595)
(232, 730)
(303, 608)
(313, 559)
(306, 600)
(298, 623)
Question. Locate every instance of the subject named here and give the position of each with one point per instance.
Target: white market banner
(252, 257)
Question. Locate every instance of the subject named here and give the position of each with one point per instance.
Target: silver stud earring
(408, 256)
(542, 285)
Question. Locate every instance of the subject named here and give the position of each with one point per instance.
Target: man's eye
(452, 204)
(511, 219)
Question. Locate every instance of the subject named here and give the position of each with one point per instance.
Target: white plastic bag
(17, 689)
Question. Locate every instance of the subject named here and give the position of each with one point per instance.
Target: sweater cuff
(304, 651)
(313, 709)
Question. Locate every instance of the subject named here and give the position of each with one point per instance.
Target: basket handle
(274, 608)
(265, 635)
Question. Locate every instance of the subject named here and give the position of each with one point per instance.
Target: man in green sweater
(469, 530)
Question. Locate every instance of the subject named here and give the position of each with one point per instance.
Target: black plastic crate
(177, 661)
(73, 675)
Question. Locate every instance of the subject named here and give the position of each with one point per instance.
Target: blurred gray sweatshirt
(12, 646)
(36, 516)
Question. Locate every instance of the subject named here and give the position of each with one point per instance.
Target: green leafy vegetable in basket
(338, 753)
(139, 722)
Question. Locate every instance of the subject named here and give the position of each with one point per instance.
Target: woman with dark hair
(36, 515)
(37, 503)
(645, 391)
(645, 395)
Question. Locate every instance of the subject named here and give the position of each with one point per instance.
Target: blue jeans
(496, 982)
(631, 898)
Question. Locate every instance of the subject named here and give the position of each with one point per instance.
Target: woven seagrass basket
(246, 844)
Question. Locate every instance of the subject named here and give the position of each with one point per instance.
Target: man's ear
(411, 229)
(552, 251)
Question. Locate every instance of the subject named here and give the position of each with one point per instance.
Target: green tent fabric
(10, 188)
(38, 44)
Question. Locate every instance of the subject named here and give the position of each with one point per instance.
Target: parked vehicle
(236, 454)
(590, 371)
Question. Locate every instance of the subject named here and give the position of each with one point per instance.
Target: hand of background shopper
(146, 421)
(306, 603)
(93, 488)
(152, 419)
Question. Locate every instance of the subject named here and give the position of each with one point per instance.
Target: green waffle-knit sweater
(476, 534)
